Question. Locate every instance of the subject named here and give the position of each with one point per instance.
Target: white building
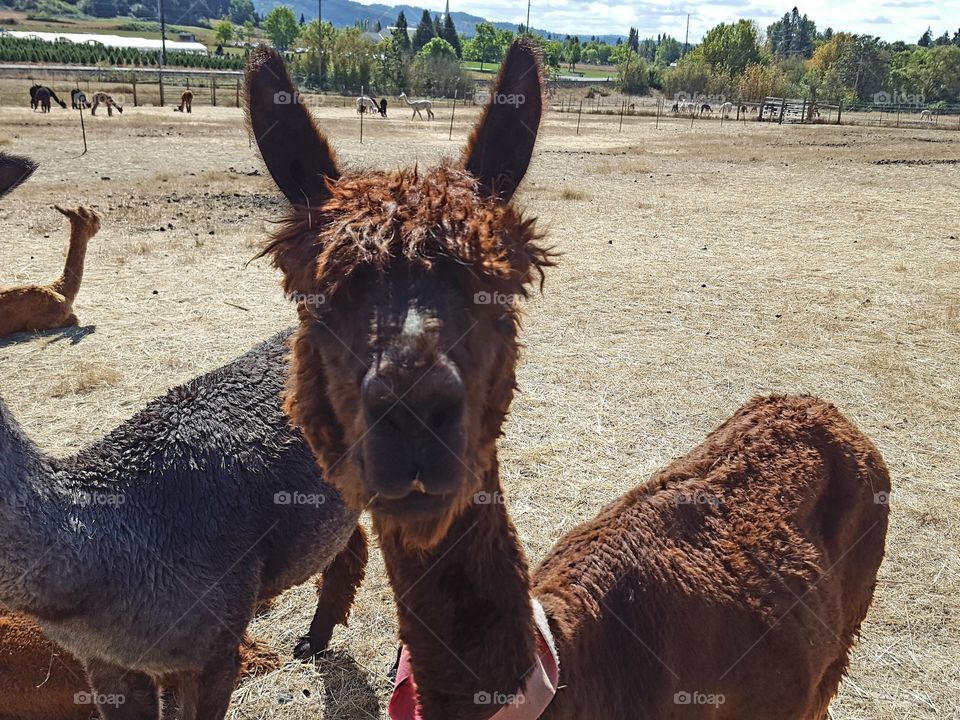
(115, 41)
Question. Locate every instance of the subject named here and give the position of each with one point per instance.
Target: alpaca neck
(464, 611)
(68, 284)
(35, 550)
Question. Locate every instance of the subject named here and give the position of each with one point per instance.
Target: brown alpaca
(186, 102)
(42, 307)
(41, 681)
(102, 98)
(738, 576)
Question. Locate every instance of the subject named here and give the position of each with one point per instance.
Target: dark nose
(414, 422)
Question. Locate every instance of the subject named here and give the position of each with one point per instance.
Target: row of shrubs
(39, 51)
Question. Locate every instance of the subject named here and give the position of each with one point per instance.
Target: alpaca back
(207, 493)
(752, 558)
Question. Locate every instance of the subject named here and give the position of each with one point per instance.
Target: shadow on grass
(72, 334)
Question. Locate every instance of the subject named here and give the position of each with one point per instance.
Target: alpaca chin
(419, 535)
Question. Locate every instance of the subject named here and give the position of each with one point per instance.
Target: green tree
(400, 37)
(437, 48)
(241, 11)
(424, 32)
(450, 35)
(223, 31)
(485, 43)
(669, 51)
(730, 48)
(281, 27)
(248, 30)
(926, 40)
(633, 75)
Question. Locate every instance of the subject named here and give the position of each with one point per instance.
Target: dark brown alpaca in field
(186, 103)
(737, 576)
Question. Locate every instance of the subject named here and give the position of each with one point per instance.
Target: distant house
(375, 36)
(187, 37)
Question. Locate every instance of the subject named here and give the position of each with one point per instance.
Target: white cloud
(890, 19)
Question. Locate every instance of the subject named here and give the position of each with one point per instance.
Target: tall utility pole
(163, 36)
(163, 49)
(528, 19)
(686, 37)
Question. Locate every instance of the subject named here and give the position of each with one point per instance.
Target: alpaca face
(408, 287)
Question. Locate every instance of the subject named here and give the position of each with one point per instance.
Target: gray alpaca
(145, 554)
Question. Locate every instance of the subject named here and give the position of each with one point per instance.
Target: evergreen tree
(437, 27)
(303, 20)
(401, 38)
(926, 40)
(424, 32)
(450, 35)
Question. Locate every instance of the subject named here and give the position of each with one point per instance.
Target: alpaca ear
(501, 145)
(296, 153)
(13, 171)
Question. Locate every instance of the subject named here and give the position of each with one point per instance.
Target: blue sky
(890, 19)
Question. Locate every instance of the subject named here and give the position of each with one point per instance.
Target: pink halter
(529, 704)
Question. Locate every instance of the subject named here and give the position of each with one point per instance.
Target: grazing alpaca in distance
(926, 116)
(365, 103)
(167, 534)
(41, 681)
(42, 91)
(690, 584)
(78, 100)
(43, 307)
(705, 108)
(186, 102)
(726, 109)
(417, 106)
(42, 99)
(102, 98)
(383, 107)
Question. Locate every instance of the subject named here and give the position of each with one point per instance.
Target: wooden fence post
(213, 90)
(238, 92)
(135, 93)
(579, 113)
(839, 110)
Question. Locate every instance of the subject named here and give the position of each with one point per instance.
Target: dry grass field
(700, 267)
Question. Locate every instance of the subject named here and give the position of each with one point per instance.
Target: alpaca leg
(429, 114)
(216, 684)
(70, 321)
(337, 590)
(109, 109)
(122, 694)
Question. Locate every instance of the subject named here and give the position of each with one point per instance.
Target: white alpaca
(419, 105)
(726, 109)
(365, 104)
(926, 115)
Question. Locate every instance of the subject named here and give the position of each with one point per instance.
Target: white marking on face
(413, 323)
